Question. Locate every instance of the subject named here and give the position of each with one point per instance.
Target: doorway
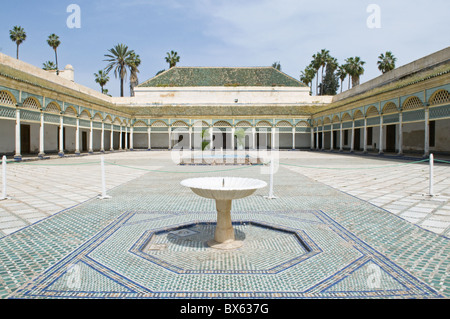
(84, 143)
(25, 139)
(357, 141)
(390, 138)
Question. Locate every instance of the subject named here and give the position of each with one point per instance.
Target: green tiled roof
(207, 76)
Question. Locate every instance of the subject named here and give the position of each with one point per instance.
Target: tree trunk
(121, 87)
(317, 82)
(56, 58)
(17, 53)
(321, 91)
(355, 81)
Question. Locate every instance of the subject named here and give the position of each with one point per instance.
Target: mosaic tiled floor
(149, 241)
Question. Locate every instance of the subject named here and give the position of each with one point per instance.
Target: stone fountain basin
(223, 188)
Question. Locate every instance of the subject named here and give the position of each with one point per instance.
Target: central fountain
(224, 190)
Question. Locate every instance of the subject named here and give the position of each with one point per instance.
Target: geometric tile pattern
(324, 261)
(104, 248)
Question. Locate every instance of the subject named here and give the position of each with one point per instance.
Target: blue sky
(225, 32)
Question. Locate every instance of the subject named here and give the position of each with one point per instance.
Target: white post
(271, 195)
(431, 174)
(4, 178)
(102, 166)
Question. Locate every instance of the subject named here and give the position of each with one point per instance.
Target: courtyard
(342, 226)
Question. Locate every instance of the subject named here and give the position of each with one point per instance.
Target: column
(149, 131)
(61, 136)
(293, 137)
(323, 137)
(427, 132)
(352, 143)
(190, 137)
(170, 137)
(272, 142)
(312, 138)
(131, 137)
(102, 147)
(91, 138)
(126, 137)
(112, 138)
(365, 135)
(41, 137)
(77, 138)
(120, 138)
(254, 138)
(317, 138)
(380, 147)
(211, 136)
(400, 133)
(341, 138)
(18, 156)
(233, 130)
(332, 137)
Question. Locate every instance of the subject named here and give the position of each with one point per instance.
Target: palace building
(406, 110)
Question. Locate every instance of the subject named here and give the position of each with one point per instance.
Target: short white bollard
(431, 175)
(3, 179)
(271, 195)
(103, 195)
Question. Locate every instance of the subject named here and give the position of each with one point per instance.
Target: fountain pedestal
(223, 190)
(224, 237)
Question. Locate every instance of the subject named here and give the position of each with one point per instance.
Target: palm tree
(324, 59)
(342, 74)
(53, 41)
(102, 78)
(119, 60)
(172, 58)
(135, 61)
(277, 65)
(17, 35)
(316, 64)
(49, 66)
(386, 62)
(355, 69)
(308, 75)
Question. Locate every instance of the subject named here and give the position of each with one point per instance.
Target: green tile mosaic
(93, 250)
